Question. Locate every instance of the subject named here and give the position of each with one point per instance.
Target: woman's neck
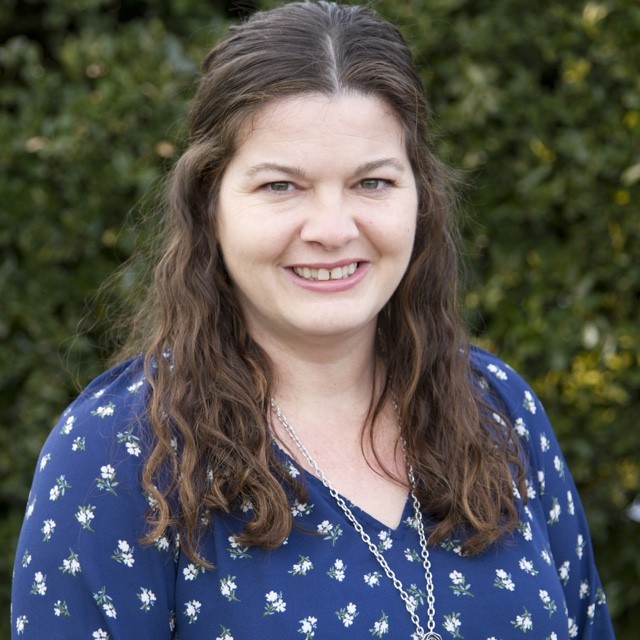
(326, 396)
(334, 379)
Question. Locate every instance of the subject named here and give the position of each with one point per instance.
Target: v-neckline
(362, 515)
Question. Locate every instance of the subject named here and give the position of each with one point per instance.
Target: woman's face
(316, 216)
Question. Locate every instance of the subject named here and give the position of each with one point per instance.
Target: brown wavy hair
(211, 394)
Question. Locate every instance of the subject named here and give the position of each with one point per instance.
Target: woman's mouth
(337, 273)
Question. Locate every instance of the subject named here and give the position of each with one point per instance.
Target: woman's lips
(330, 278)
(323, 274)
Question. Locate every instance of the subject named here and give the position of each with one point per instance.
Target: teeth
(337, 273)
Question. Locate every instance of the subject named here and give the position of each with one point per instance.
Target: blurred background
(536, 103)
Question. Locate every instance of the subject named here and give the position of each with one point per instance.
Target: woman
(309, 447)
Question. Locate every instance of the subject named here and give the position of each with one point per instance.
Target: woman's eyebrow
(374, 165)
(296, 172)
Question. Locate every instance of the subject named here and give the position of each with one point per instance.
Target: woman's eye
(373, 184)
(279, 187)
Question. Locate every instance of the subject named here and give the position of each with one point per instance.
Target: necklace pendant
(431, 635)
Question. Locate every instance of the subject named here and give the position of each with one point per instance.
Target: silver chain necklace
(420, 634)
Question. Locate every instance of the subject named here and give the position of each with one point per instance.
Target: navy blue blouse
(82, 573)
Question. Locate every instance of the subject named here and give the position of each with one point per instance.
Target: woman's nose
(330, 221)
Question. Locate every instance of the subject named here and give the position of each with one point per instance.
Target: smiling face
(316, 216)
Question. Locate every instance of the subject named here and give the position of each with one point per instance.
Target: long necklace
(420, 634)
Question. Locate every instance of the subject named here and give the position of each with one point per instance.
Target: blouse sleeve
(553, 496)
(80, 569)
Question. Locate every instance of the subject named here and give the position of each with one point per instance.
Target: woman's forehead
(283, 112)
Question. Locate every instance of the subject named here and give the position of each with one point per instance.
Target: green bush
(537, 103)
(540, 104)
(92, 105)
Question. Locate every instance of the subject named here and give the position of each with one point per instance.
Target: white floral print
(131, 442)
(103, 412)
(85, 520)
(380, 627)
(527, 566)
(147, 599)
(503, 580)
(39, 586)
(373, 579)
(497, 371)
(228, 588)
(48, 527)
(347, 614)
(275, 603)
(192, 610)
(547, 602)
(330, 531)
(59, 488)
(225, 634)
(302, 567)
(523, 622)
(452, 624)
(337, 571)
(191, 571)
(107, 480)
(124, 554)
(71, 564)
(528, 403)
(85, 515)
(106, 602)
(459, 585)
(237, 551)
(21, 623)
(308, 627)
(67, 427)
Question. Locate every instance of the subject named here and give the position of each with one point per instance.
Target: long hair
(211, 382)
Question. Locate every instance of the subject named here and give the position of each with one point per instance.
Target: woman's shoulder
(124, 384)
(118, 395)
(90, 465)
(79, 548)
(513, 392)
(105, 422)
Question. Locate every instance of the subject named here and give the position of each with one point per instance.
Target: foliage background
(537, 103)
